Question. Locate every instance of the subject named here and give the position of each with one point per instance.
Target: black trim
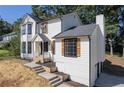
(89, 60)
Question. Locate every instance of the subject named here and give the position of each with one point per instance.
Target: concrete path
(107, 80)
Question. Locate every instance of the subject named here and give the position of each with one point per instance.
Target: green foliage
(16, 25)
(5, 27)
(15, 45)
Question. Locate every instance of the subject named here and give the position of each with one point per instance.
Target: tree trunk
(111, 47)
(111, 50)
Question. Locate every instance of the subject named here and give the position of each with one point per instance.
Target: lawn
(4, 53)
(13, 73)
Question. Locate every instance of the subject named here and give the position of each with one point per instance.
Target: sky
(11, 13)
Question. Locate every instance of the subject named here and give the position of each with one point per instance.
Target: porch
(41, 49)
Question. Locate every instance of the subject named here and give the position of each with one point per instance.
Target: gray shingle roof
(35, 18)
(83, 30)
(44, 38)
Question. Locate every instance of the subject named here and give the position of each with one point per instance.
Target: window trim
(24, 47)
(28, 28)
(70, 47)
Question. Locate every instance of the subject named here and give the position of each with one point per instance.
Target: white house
(77, 50)
(6, 38)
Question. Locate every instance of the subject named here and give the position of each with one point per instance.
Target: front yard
(14, 74)
(4, 53)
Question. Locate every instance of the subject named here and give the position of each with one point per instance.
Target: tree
(5, 27)
(16, 25)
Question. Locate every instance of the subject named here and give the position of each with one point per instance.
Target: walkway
(107, 80)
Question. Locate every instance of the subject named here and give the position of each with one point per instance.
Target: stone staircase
(38, 69)
(55, 81)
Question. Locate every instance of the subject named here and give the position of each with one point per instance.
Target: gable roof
(42, 36)
(37, 19)
(34, 17)
(84, 30)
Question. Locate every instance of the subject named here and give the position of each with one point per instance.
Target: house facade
(6, 38)
(76, 49)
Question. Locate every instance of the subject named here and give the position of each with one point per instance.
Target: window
(44, 28)
(29, 28)
(29, 47)
(45, 46)
(23, 29)
(70, 47)
(23, 47)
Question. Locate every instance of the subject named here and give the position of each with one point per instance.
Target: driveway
(107, 80)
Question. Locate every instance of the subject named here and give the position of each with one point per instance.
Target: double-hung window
(70, 47)
(23, 47)
(29, 28)
(29, 47)
(23, 29)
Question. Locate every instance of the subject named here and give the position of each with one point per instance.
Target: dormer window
(23, 29)
(29, 29)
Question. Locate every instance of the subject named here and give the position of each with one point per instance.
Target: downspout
(89, 61)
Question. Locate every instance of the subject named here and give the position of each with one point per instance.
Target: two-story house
(77, 50)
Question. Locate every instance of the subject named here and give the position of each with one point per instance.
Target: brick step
(55, 80)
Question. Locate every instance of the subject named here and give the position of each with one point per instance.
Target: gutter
(89, 61)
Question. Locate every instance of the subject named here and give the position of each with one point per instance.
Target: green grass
(4, 53)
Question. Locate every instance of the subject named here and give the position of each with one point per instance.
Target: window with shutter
(70, 47)
(62, 47)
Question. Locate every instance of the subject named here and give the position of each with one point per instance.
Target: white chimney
(101, 36)
(100, 22)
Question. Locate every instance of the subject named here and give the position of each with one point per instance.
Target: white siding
(101, 37)
(77, 68)
(26, 37)
(70, 20)
(94, 58)
(54, 27)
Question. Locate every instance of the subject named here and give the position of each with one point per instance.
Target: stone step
(55, 80)
(37, 67)
(40, 68)
(56, 83)
(40, 71)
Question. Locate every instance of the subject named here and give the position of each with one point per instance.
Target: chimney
(100, 22)
(101, 40)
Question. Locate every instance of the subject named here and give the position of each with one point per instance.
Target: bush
(15, 45)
